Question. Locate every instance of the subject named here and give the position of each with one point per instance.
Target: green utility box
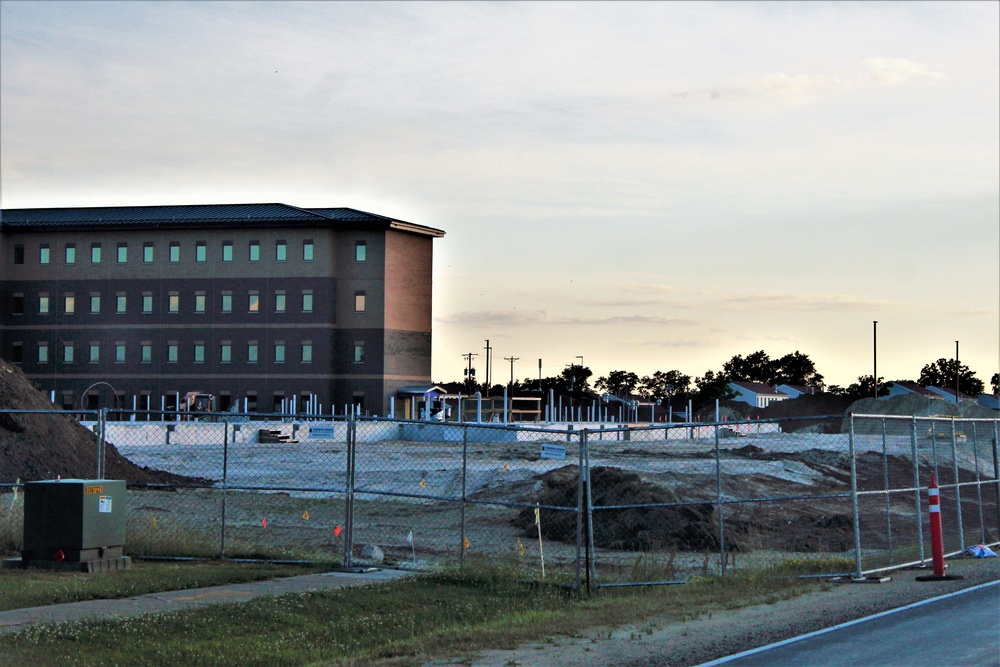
(75, 523)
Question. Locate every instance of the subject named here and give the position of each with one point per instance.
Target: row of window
(198, 351)
(173, 303)
(174, 253)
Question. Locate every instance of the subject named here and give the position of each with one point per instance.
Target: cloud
(799, 89)
(546, 318)
(799, 302)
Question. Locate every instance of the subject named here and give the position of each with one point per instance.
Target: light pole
(958, 374)
(875, 356)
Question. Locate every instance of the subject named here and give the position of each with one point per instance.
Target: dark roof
(758, 388)
(198, 215)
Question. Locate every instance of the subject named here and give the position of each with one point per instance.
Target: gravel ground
(668, 644)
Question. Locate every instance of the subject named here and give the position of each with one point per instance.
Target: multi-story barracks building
(256, 304)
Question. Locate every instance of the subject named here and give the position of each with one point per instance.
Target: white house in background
(756, 394)
(796, 390)
(904, 387)
(991, 401)
(949, 394)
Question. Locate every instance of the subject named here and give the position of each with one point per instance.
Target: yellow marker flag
(505, 467)
(538, 519)
(15, 488)
(520, 547)
(465, 542)
(154, 522)
(423, 484)
(305, 515)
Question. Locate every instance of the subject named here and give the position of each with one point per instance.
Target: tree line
(675, 386)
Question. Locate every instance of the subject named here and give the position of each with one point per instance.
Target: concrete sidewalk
(154, 603)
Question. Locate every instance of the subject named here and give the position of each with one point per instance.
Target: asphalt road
(955, 630)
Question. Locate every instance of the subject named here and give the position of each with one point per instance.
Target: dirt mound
(685, 528)
(795, 413)
(42, 446)
(907, 405)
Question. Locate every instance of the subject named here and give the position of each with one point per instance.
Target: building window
(279, 301)
(226, 352)
(175, 252)
(172, 352)
(17, 303)
(120, 302)
(359, 301)
(147, 253)
(120, 352)
(147, 302)
(67, 353)
(307, 250)
(307, 352)
(252, 350)
(359, 352)
(200, 252)
(43, 352)
(71, 253)
(147, 352)
(307, 301)
(43, 303)
(227, 302)
(19, 254)
(280, 251)
(255, 251)
(17, 352)
(69, 304)
(254, 301)
(95, 253)
(122, 253)
(360, 251)
(95, 303)
(227, 251)
(95, 352)
(44, 255)
(199, 302)
(173, 302)
(279, 352)
(199, 352)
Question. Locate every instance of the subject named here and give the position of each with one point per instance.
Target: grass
(34, 588)
(401, 623)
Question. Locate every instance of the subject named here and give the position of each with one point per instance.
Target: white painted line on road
(729, 658)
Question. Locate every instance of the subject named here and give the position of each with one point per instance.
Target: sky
(634, 186)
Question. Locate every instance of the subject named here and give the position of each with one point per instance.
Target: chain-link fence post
(885, 478)
(102, 439)
(996, 471)
(580, 481)
(718, 502)
(225, 473)
(958, 485)
(465, 473)
(916, 487)
(591, 568)
(854, 501)
(349, 503)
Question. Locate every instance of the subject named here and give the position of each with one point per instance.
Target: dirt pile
(42, 446)
(685, 528)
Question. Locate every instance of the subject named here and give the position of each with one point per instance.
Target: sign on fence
(322, 432)
(553, 452)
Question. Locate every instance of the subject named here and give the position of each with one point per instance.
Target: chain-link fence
(578, 504)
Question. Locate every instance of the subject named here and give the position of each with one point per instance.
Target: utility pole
(511, 360)
(488, 360)
(470, 372)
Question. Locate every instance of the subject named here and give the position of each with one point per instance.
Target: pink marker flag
(263, 522)
(336, 531)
